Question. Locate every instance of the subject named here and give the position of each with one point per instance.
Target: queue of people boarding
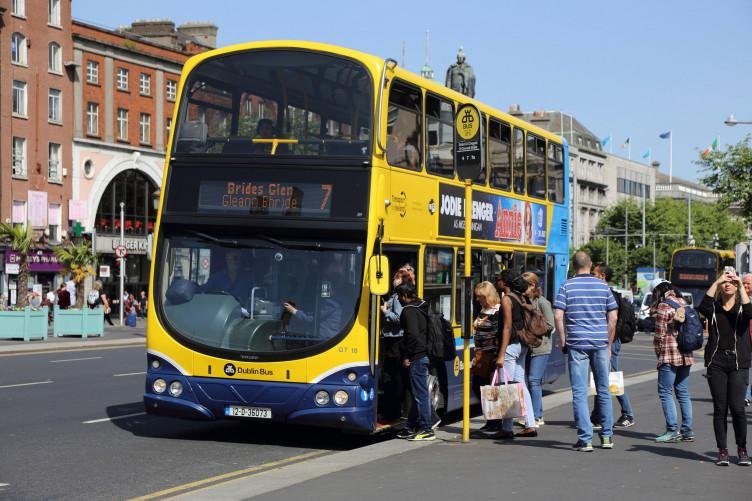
(591, 328)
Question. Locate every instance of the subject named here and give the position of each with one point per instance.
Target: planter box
(24, 324)
(84, 322)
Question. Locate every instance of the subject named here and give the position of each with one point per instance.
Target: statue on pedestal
(460, 76)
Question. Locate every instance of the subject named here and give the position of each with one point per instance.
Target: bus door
(392, 381)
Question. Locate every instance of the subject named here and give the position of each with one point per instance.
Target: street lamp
(122, 261)
(731, 121)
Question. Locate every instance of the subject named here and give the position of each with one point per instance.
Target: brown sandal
(527, 432)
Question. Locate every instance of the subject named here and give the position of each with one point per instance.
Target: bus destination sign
(246, 196)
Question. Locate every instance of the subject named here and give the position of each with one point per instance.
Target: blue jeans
(514, 364)
(420, 412)
(597, 361)
(626, 405)
(675, 380)
(535, 371)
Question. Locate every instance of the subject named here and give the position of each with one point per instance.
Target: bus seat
(238, 144)
(192, 135)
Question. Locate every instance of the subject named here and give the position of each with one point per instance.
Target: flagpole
(629, 149)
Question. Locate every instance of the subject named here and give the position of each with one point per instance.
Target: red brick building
(85, 114)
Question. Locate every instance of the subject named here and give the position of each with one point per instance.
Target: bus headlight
(176, 388)
(341, 397)
(321, 398)
(352, 376)
(155, 363)
(159, 385)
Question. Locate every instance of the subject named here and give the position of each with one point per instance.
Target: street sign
(468, 152)
(104, 271)
(121, 251)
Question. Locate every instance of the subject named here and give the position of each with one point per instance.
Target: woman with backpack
(727, 357)
(537, 358)
(673, 365)
(511, 351)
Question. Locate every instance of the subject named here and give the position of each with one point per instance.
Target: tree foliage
(80, 260)
(666, 228)
(19, 238)
(729, 174)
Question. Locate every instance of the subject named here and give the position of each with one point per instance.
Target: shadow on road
(234, 431)
(668, 451)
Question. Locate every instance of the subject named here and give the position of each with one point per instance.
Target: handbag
(615, 384)
(538, 324)
(483, 365)
(502, 401)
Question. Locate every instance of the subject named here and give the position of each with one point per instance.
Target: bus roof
(718, 252)
(375, 64)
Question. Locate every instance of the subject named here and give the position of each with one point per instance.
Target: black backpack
(439, 336)
(626, 325)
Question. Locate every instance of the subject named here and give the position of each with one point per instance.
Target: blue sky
(626, 69)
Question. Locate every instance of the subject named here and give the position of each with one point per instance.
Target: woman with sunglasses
(727, 356)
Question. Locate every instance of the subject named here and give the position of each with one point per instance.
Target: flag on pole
(714, 144)
(710, 149)
(665, 135)
(646, 154)
(605, 141)
(625, 143)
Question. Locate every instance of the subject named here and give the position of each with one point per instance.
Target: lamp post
(122, 261)
(731, 121)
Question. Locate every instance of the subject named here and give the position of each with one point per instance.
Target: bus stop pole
(466, 315)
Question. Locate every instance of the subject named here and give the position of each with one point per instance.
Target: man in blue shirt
(585, 315)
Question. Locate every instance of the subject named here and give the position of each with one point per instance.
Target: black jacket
(415, 326)
(720, 322)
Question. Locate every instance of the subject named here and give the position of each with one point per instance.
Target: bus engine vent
(564, 226)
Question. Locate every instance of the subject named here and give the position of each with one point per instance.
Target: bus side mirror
(378, 275)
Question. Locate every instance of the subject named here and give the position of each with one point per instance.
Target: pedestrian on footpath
(537, 358)
(747, 283)
(487, 337)
(673, 366)
(727, 356)
(602, 271)
(414, 323)
(512, 351)
(585, 316)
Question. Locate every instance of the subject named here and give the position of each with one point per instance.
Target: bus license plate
(249, 412)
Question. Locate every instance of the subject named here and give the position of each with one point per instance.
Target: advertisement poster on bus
(494, 217)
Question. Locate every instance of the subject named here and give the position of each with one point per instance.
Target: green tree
(666, 228)
(729, 174)
(19, 238)
(80, 261)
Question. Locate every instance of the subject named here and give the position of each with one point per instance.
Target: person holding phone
(727, 357)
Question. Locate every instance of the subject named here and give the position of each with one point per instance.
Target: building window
(122, 79)
(172, 90)
(19, 157)
(54, 101)
(53, 172)
(19, 98)
(89, 168)
(144, 84)
(18, 216)
(92, 72)
(167, 130)
(53, 12)
(134, 189)
(144, 128)
(55, 63)
(18, 8)
(122, 124)
(18, 50)
(92, 119)
(54, 219)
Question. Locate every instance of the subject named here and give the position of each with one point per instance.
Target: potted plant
(80, 261)
(23, 322)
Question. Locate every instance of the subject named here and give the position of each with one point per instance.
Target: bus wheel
(435, 394)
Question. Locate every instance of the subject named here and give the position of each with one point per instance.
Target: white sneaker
(539, 422)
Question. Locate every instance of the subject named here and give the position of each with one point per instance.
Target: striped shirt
(585, 301)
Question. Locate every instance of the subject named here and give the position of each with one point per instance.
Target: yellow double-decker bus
(291, 166)
(694, 269)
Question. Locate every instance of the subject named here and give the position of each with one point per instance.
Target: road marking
(129, 374)
(231, 475)
(73, 360)
(26, 384)
(115, 418)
